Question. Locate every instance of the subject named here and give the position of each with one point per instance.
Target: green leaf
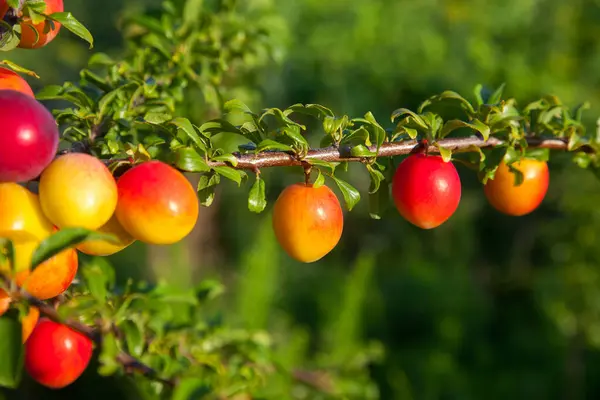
(206, 187)
(17, 68)
(377, 130)
(157, 117)
(444, 96)
(320, 181)
(477, 93)
(256, 199)
(361, 151)
(192, 10)
(314, 110)
(99, 278)
(538, 154)
(351, 195)
(497, 95)
(404, 111)
(108, 355)
(101, 59)
(191, 389)
(233, 174)
(281, 117)
(134, 338)
(321, 163)
(64, 239)
(269, 144)
(9, 40)
(376, 178)
(445, 153)
(230, 158)
(11, 349)
(475, 125)
(186, 126)
(67, 20)
(236, 105)
(293, 132)
(188, 159)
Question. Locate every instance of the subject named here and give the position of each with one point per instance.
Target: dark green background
(484, 307)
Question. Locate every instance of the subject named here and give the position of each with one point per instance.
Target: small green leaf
(351, 195)
(376, 178)
(206, 187)
(233, 174)
(404, 111)
(444, 96)
(108, 355)
(191, 389)
(11, 349)
(188, 159)
(186, 126)
(475, 125)
(361, 151)
(445, 153)
(256, 199)
(293, 132)
(315, 110)
(321, 163)
(17, 68)
(538, 154)
(230, 158)
(157, 118)
(64, 239)
(101, 59)
(134, 338)
(497, 95)
(269, 144)
(99, 278)
(236, 105)
(320, 181)
(67, 20)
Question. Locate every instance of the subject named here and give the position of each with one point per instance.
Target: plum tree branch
(128, 362)
(343, 153)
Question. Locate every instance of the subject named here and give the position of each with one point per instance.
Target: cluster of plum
(426, 191)
(41, 194)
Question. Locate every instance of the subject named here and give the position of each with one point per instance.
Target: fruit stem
(307, 171)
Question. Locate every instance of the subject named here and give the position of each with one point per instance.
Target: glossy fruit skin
(10, 80)
(29, 137)
(157, 204)
(509, 199)
(106, 248)
(56, 355)
(308, 221)
(21, 215)
(29, 40)
(28, 322)
(426, 190)
(78, 190)
(50, 278)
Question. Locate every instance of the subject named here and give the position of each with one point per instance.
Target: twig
(337, 154)
(130, 363)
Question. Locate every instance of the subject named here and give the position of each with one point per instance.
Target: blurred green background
(484, 307)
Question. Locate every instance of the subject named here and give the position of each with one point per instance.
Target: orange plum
(78, 190)
(307, 221)
(509, 199)
(157, 204)
(11, 80)
(50, 278)
(106, 248)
